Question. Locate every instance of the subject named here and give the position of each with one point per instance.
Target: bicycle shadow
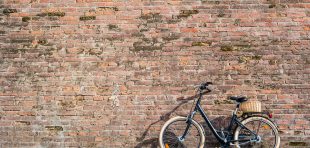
(153, 142)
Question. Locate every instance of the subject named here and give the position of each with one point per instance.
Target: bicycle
(247, 130)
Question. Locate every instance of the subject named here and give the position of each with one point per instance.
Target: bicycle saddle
(238, 99)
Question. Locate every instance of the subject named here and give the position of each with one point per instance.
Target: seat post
(237, 107)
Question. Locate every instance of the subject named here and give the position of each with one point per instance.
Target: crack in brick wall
(96, 73)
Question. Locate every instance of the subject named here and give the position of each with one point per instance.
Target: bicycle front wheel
(174, 128)
(268, 136)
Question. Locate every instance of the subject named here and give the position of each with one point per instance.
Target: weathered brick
(91, 73)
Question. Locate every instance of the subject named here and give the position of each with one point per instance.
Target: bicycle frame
(222, 140)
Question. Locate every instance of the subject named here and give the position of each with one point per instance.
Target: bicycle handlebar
(204, 86)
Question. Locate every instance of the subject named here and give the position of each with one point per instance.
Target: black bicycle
(253, 129)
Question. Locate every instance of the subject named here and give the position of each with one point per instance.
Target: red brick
(187, 30)
(105, 80)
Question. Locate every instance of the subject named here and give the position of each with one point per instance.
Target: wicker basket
(251, 106)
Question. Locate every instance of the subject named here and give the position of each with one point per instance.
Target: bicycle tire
(182, 119)
(265, 121)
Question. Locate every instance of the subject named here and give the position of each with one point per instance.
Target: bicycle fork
(189, 123)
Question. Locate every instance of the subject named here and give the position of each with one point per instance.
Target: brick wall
(103, 73)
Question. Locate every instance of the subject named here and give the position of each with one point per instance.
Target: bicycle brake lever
(209, 83)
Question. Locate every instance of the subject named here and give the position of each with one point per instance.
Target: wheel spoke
(175, 130)
(258, 126)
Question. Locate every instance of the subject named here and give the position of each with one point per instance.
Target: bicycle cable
(190, 111)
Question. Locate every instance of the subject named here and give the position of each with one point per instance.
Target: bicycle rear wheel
(264, 128)
(174, 128)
